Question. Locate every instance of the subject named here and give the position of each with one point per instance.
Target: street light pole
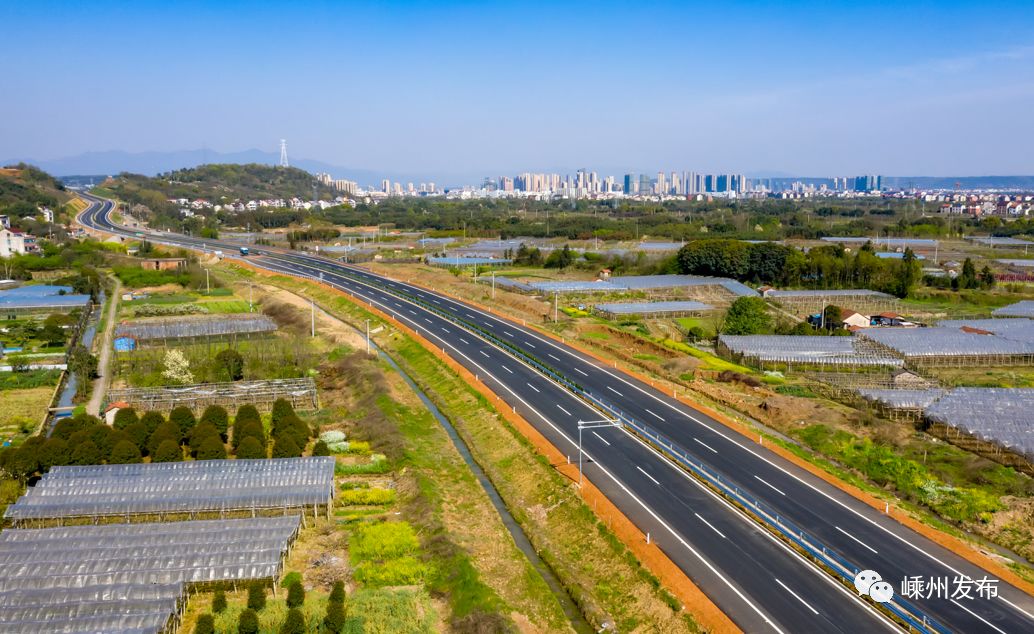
(367, 336)
(556, 306)
(312, 304)
(493, 284)
(208, 283)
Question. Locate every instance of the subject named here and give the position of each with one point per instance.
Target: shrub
(334, 620)
(247, 412)
(384, 540)
(205, 624)
(183, 418)
(125, 417)
(332, 436)
(320, 449)
(55, 451)
(248, 428)
(85, 453)
(285, 447)
(231, 363)
(251, 449)
(337, 593)
(290, 578)
(200, 434)
(295, 594)
(166, 431)
(256, 595)
(138, 433)
(212, 449)
(219, 601)
(152, 420)
(281, 411)
(294, 623)
(125, 452)
(248, 622)
(401, 571)
(217, 417)
(167, 451)
(367, 496)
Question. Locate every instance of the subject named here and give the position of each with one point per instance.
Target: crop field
(21, 411)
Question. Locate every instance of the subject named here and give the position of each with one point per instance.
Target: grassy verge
(21, 410)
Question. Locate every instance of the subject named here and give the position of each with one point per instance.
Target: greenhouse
(632, 283)
(301, 393)
(172, 489)
(999, 416)
(466, 261)
(40, 298)
(791, 350)
(892, 243)
(651, 309)
(814, 301)
(163, 329)
(129, 577)
(948, 346)
(995, 241)
(901, 404)
(1024, 308)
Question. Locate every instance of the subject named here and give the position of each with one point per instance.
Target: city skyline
(799, 88)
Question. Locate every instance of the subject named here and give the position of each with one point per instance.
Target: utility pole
(367, 336)
(312, 304)
(208, 283)
(251, 289)
(556, 306)
(493, 284)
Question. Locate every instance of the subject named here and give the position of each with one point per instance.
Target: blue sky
(806, 88)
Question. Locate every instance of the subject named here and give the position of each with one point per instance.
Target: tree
(184, 419)
(54, 452)
(251, 449)
(334, 620)
(53, 332)
(285, 447)
(86, 453)
(987, 277)
(137, 432)
(168, 451)
(295, 594)
(217, 417)
(294, 623)
(22, 462)
(968, 277)
(282, 410)
(908, 275)
(125, 417)
(219, 601)
(831, 317)
(337, 592)
(231, 363)
(248, 428)
(83, 365)
(748, 316)
(125, 452)
(177, 368)
(166, 431)
(256, 595)
(205, 624)
(560, 258)
(212, 448)
(248, 622)
(320, 449)
(151, 420)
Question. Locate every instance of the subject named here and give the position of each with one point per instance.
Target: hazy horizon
(804, 89)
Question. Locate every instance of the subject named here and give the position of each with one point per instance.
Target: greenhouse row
(129, 577)
(203, 486)
(627, 283)
(843, 292)
(301, 393)
(199, 326)
(998, 415)
(791, 349)
(902, 399)
(1023, 308)
(652, 309)
(884, 241)
(947, 346)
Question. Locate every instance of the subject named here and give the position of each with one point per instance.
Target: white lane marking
(709, 525)
(601, 438)
(648, 475)
(529, 344)
(857, 540)
(798, 597)
(580, 372)
(445, 330)
(533, 387)
(436, 302)
(614, 391)
(465, 342)
(506, 368)
(469, 315)
(483, 352)
(700, 442)
(769, 485)
(428, 320)
(654, 415)
(564, 410)
(398, 304)
(412, 312)
(507, 333)
(554, 356)
(978, 616)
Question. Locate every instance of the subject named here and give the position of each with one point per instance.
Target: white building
(14, 242)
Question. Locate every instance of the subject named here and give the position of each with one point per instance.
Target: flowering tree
(177, 368)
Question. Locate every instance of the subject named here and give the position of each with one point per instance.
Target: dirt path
(100, 384)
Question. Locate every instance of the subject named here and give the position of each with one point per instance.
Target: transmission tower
(283, 153)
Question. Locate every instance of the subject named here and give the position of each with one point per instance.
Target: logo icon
(869, 582)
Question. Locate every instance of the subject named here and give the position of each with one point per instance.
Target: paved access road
(760, 583)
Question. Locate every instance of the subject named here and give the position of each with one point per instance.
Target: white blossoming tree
(177, 368)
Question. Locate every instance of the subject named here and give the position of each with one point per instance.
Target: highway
(761, 583)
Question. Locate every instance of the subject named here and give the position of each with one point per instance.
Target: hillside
(219, 183)
(24, 189)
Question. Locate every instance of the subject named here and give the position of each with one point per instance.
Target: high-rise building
(676, 184)
(630, 183)
(661, 186)
(386, 186)
(644, 184)
(868, 183)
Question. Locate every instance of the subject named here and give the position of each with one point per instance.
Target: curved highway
(761, 583)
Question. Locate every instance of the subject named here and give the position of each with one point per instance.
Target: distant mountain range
(151, 163)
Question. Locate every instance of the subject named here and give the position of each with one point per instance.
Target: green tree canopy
(748, 316)
(125, 452)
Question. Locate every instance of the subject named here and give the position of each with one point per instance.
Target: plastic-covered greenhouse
(629, 283)
(129, 577)
(949, 346)
(647, 309)
(1024, 308)
(301, 393)
(1001, 416)
(194, 327)
(200, 487)
(902, 399)
(792, 349)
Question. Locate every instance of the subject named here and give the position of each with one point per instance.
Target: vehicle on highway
(244, 250)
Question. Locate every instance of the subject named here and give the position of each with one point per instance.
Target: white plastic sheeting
(1024, 308)
(945, 342)
(200, 326)
(805, 349)
(902, 399)
(128, 577)
(1003, 416)
(198, 486)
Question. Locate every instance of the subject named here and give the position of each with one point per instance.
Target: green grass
(225, 306)
(29, 379)
(710, 361)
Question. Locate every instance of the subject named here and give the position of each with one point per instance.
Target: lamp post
(367, 336)
(590, 424)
